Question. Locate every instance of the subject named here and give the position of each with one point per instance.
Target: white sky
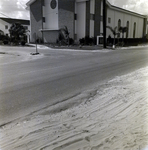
(16, 8)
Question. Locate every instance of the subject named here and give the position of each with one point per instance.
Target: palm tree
(114, 32)
(64, 35)
(123, 30)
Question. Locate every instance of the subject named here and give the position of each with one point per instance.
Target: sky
(14, 9)
(17, 8)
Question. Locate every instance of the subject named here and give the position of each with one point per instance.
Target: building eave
(30, 2)
(13, 20)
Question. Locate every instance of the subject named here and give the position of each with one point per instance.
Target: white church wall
(3, 27)
(110, 14)
(140, 27)
(127, 18)
(101, 7)
(115, 15)
(119, 16)
(101, 27)
(80, 10)
(51, 16)
(92, 11)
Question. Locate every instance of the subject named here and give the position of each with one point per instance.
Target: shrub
(23, 43)
(2, 37)
(71, 41)
(5, 39)
(87, 40)
(16, 42)
(5, 42)
(82, 41)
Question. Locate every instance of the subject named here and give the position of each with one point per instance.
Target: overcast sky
(16, 8)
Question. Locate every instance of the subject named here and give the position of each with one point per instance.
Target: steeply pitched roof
(30, 2)
(124, 10)
(108, 3)
(21, 21)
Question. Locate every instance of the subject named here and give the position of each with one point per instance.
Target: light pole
(104, 23)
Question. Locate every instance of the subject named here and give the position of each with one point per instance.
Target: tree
(114, 32)
(122, 30)
(17, 32)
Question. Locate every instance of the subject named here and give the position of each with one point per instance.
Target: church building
(82, 18)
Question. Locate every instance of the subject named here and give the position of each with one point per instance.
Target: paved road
(30, 85)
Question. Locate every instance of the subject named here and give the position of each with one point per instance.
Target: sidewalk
(73, 47)
(85, 47)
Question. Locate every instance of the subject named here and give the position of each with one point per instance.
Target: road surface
(28, 85)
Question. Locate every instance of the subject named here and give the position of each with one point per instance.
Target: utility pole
(104, 23)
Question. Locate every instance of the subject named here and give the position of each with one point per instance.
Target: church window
(109, 20)
(6, 27)
(119, 25)
(134, 31)
(127, 25)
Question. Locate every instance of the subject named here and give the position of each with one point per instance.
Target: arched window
(134, 31)
(127, 25)
(119, 25)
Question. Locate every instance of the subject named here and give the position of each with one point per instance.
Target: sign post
(36, 43)
(36, 46)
